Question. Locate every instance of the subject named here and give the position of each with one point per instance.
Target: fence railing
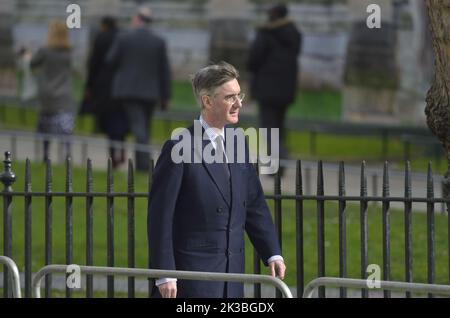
(321, 211)
(155, 273)
(11, 268)
(382, 285)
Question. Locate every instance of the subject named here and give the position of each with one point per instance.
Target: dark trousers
(112, 120)
(272, 115)
(139, 114)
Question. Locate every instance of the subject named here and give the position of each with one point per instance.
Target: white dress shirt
(213, 134)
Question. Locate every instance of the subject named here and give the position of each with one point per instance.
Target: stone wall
(388, 70)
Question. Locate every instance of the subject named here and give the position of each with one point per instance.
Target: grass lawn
(289, 245)
(310, 104)
(325, 104)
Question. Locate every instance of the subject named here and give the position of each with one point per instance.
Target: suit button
(228, 253)
(219, 210)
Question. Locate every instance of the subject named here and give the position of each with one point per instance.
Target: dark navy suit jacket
(197, 223)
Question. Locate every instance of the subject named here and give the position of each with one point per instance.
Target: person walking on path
(52, 65)
(199, 211)
(273, 66)
(110, 117)
(141, 78)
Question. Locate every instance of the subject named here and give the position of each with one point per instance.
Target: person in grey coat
(52, 65)
(142, 78)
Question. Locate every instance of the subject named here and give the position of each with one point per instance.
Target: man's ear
(206, 100)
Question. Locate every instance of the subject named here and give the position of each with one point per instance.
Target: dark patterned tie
(221, 151)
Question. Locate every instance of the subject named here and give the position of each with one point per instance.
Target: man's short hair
(145, 14)
(207, 79)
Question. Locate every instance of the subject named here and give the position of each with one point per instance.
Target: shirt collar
(211, 131)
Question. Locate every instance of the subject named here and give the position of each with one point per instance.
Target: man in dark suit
(142, 77)
(199, 210)
(273, 66)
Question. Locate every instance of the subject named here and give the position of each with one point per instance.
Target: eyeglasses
(232, 99)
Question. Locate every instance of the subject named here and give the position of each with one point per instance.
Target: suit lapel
(214, 170)
(218, 176)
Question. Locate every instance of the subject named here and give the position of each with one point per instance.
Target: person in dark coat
(141, 78)
(199, 210)
(110, 117)
(273, 65)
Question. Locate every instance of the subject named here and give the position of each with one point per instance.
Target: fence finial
(8, 176)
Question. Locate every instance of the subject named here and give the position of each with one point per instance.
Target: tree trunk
(438, 98)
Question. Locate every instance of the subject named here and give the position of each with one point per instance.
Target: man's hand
(277, 269)
(168, 290)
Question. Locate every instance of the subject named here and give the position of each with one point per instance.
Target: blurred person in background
(141, 78)
(274, 68)
(110, 118)
(52, 66)
(28, 86)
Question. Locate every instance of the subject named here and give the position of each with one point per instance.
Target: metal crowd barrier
(384, 285)
(156, 273)
(13, 274)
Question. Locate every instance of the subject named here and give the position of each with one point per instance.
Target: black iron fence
(320, 200)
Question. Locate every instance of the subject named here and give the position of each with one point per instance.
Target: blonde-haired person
(52, 64)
